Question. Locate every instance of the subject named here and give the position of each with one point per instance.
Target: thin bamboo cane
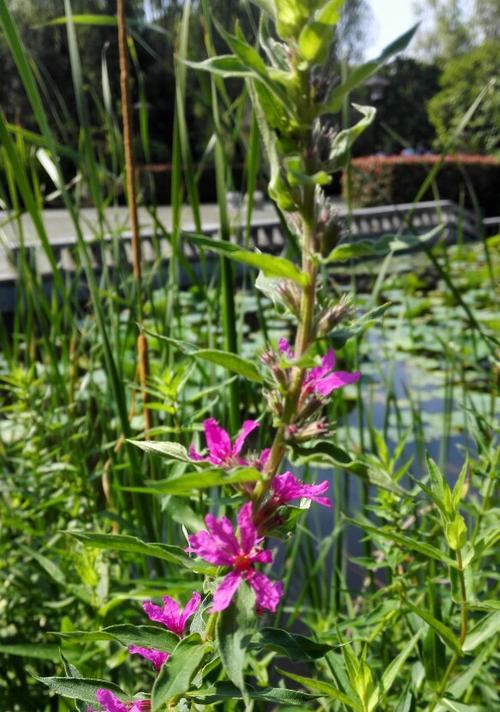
(142, 344)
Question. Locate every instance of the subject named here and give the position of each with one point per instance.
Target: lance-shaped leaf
(235, 627)
(225, 65)
(147, 636)
(316, 36)
(186, 484)
(84, 689)
(325, 689)
(232, 362)
(391, 672)
(446, 635)
(341, 144)
(170, 450)
(175, 678)
(270, 265)
(134, 545)
(291, 645)
(362, 73)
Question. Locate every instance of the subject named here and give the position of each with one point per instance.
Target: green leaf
(426, 550)
(147, 636)
(316, 37)
(391, 672)
(324, 452)
(324, 689)
(446, 635)
(186, 484)
(225, 65)
(270, 265)
(362, 73)
(133, 545)
(175, 678)
(352, 250)
(482, 631)
(84, 689)
(225, 690)
(235, 626)
(456, 532)
(232, 362)
(171, 450)
(32, 650)
(293, 646)
(341, 144)
(290, 16)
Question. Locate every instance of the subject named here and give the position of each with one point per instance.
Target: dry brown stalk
(142, 345)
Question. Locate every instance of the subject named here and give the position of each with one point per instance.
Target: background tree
(461, 82)
(400, 92)
(444, 32)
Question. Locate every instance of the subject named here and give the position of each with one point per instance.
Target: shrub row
(384, 180)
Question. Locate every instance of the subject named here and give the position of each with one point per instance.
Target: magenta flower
(221, 452)
(322, 380)
(220, 546)
(111, 703)
(171, 615)
(157, 657)
(287, 487)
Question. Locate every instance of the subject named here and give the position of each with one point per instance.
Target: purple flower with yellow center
(219, 545)
(221, 451)
(171, 615)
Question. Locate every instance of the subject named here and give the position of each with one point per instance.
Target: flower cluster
(239, 550)
(174, 618)
(317, 384)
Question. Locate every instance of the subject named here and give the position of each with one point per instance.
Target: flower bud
(333, 315)
(290, 294)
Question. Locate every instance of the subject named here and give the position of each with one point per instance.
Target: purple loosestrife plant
(290, 95)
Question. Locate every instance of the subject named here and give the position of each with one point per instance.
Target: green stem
(463, 633)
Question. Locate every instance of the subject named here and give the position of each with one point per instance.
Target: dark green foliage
(400, 92)
(462, 80)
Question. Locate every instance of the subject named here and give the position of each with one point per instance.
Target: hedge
(386, 180)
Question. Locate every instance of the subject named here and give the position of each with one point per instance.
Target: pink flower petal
(204, 545)
(191, 607)
(157, 657)
(267, 593)
(222, 533)
(263, 557)
(225, 591)
(218, 441)
(284, 346)
(194, 455)
(110, 702)
(335, 380)
(264, 457)
(248, 532)
(247, 427)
